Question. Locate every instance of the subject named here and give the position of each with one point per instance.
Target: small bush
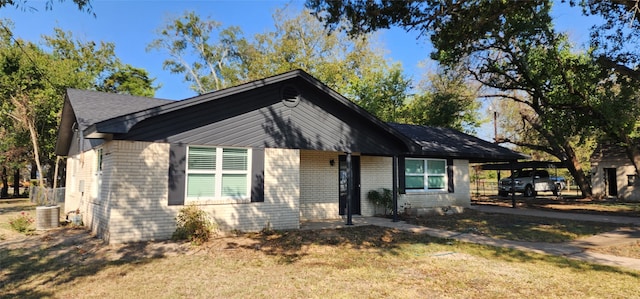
(383, 198)
(22, 223)
(193, 224)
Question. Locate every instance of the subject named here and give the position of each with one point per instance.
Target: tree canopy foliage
(33, 80)
(513, 49)
(211, 56)
(82, 5)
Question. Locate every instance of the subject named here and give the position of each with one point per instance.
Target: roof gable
(83, 108)
(290, 110)
(258, 114)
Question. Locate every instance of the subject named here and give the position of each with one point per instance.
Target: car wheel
(503, 193)
(528, 191)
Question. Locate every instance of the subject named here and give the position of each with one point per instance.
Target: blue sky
(131, 26)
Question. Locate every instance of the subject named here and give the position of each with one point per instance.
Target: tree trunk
(16, 182)
(34, 171)
(36, 155)
(576, 171)
(4, 192)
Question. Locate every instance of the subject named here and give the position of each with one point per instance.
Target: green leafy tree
(382, 92)
(445, 99)
(128, 80)
(213, 48)
(211, 57)
(513, 50)
(33, 82)
(26, 90)
(83, 5)
(615, 40)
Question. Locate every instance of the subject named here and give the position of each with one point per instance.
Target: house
(613, 175)
(268, 153)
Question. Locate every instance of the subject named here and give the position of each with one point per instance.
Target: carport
(513, 166)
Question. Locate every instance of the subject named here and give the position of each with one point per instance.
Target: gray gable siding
(258, 118)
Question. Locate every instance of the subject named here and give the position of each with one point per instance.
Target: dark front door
(611, 181)
(342, 183)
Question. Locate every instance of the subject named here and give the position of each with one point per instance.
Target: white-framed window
(217, 173)
(97, 189)
(425, 174)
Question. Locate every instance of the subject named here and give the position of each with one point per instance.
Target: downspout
(349, 189)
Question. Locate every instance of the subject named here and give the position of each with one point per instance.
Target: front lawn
(515, 227)
(356, 262)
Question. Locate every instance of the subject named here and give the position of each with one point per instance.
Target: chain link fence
(47, 196)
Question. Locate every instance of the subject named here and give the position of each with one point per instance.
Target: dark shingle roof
(91, 107)
(445, 142)
(106, 113)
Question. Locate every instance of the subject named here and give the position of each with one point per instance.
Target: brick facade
(460, 196)
(318, 185)
(131, 203)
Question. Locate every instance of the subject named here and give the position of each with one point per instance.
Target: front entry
(342, 183)
(611, 181)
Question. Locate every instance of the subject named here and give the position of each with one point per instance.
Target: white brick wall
(318, 185)
(376, 173)
(298, 185)
(282, 194)
(460, 197)
(83, 190)
(134, 204)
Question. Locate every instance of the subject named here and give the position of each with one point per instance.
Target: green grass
(357, 262)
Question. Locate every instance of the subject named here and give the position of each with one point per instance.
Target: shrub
(22, 223)
(382, 198)
(193, 224)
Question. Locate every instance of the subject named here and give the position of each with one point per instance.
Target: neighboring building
(613, 175)
(268, 153)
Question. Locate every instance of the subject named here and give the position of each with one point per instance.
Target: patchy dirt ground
(79, 246)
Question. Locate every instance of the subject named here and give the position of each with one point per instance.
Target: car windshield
(528, 174)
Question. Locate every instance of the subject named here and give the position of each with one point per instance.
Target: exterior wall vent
(290, 96)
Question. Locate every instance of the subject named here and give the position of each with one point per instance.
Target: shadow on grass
(55, 259)
(515, 227)
(517, 256)
(11, 209)
(567, 204)
(291, 246)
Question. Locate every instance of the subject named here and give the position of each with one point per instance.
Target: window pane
(234, 159)
(202, 158)
(436, 167)
(201, 185)
(414, 182)
(414, 166)
(234, 185)
(436, 182)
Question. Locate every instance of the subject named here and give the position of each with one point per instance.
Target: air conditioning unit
(47, 217)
